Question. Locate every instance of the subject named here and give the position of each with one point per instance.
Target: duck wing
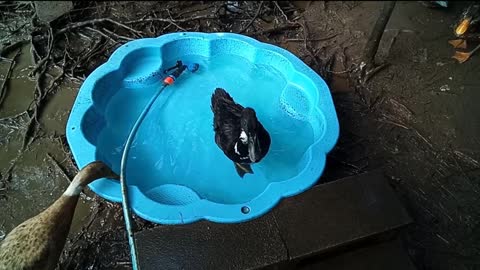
(264, 140)
(226, 118)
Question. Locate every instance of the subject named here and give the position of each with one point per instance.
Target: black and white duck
(238, 132)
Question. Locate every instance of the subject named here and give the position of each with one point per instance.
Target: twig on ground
(3, 88)
(305, 43)
(117, 36)
(422, 137)
(200, 17)
(310, 39)
(355, 168)
(369, 74)
(376, 35)
(393, 123)
(467, 159)
(29, 134)
(8, 172)
(13, 116)
(407, 128)
(101, 49)
(84, 53)
(174, 23)
(277, 29)
(367, 67)
(465, 175)
(281, 11)
(7, 49)
(43, 61)
(59, 168)
(100, 33)
(342, 71)
(13, 123)
(196, 10)
(97, 21)
(53, 83)
(253, 19)
(74, 79)
(98, 47)
(33, 51)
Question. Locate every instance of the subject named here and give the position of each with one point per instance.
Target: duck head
(248, 135)
(469, 17)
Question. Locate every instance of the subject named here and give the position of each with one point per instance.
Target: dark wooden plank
(206, 245)
(339, 213)
(389, 255)
(328, 217)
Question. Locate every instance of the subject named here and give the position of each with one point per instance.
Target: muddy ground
(417, 119)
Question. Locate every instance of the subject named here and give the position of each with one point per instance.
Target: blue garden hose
(123, 184)
(170, 79)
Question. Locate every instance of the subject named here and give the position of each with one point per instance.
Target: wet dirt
(420, 125)
(417, 120)
(36, 181)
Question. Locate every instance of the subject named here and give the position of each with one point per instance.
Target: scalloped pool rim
(84, 152)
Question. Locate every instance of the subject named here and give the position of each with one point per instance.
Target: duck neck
(75, 187)
(58, 218)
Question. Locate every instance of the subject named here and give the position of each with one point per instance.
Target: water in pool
(175, 143)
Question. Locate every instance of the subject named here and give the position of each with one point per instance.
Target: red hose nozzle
(169, 80)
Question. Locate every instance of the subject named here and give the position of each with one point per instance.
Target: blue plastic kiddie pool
(176, 173)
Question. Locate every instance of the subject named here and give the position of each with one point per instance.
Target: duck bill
(252, 148)
(462, 27)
